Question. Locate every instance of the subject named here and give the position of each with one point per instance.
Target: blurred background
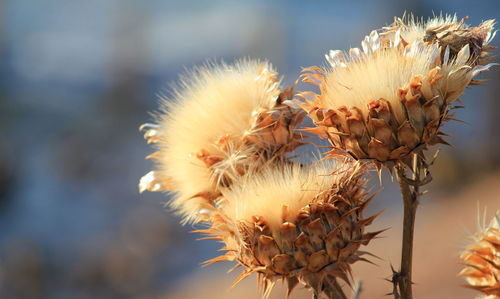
(79, 77)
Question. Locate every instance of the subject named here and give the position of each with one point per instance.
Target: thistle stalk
(410, 193)
(333, 290)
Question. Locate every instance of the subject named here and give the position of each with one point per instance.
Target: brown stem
(358, 288)
(410, 195)
(332, 289)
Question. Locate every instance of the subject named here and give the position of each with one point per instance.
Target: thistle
(387, 103)
(391, 98)
(447, 31)
(295, 223)
(482, 260)
(225, 137)
(222, 120)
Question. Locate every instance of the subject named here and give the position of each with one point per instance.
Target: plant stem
(332, 289)
(410, 195)
(358, 288)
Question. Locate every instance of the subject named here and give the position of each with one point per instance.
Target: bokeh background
(79, 77)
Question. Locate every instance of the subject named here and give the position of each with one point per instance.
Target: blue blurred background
(79, 77)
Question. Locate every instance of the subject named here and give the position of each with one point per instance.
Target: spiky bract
(482, 260)
(221, 121)
(391, 98)
(296, 223)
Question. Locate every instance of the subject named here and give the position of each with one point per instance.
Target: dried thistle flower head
(447, 31)
(391, 98)
(222, 120)
(482, 260)
(296, 223)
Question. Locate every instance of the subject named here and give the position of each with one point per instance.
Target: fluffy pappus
(221, 120)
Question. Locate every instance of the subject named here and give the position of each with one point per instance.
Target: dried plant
(222, 148)
(221, 121)
(296, 223)
(226, 138)
(390, 99)
(482, 260)
(387, 103)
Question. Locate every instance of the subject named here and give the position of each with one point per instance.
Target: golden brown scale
(482, 260)
(378, 135)
(271, 136)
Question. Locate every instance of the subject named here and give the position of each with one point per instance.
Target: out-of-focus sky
(79, 77)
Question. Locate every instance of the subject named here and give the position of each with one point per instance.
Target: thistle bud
(392, 97)
(482, 260)
(448, 32)
(296, 223)
(221, 121)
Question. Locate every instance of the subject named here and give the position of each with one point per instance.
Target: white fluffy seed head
(356, 78)
(415, 29)
(377, 75)
(211, 102)
(278, 193)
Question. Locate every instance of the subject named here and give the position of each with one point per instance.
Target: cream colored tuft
(286, 188)
(378, 75)
(412, 29)
(358, 77)
(415, 29)
(212, 102)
